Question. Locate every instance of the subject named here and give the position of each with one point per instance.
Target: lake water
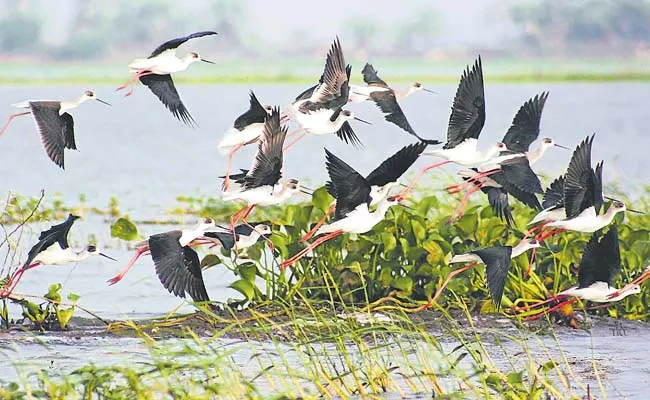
(137, 151)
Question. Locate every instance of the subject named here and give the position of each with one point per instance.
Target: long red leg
(406, 191)
(226, 181)
(126, 269)
(543, 236)
(535, 228)
(236, 218)
(458, 213)
(13, 281)
(446, 282)
(539, 303)
(133, 81)
(550, 310)
(296, 140)
(311, 246)
(11, 117)
(530, 264)
(318, 225)
(474, 179)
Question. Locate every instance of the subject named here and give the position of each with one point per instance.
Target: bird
(386, 99)
(353, 198)
(263, 184)
(193, 237)
(154, 72)
(54, 124)
(318, 110)
(497, 260)
(360, 94)
(583, 196)
(246, 235)
(552, 205)
(600, 263)
(52, 249)
(465, 124)
(246, 129)
(381, 180)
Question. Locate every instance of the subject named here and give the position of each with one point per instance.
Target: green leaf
(549, 365)
(54, 292)
(321, 199)
(244, 287)
(403, 283)
(493, 380)
(389, 241)
(64, 316)
(418, 230)
(248, 271)
(515, 378)
(124, 229)
(73, 297)
(210, 260)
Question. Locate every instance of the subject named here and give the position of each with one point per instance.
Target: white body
(520, 248)
(165, 63)
(587, 221)
(360, 94)
(261, 196)
(359, 220)
(598, 292)
(534, 156)
(549, 214)
(466, 154)
(55, 255)
(317, 122)
(65, 105)
(495, 163)
(189, 235)
(235, 137)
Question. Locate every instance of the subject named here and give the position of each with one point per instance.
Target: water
(136, 151)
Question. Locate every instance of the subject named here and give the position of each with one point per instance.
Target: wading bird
(600, 263)
(154, 72)
(246, 129)
(318, 110)
(52, 249)
(465, 124)
(497, 260)
(55, 125)
(386, 99)
(381, 180)
(352, 214)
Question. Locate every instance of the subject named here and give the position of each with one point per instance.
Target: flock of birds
(573, 202)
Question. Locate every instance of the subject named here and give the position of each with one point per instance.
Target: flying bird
(154, 72)
(54, 124)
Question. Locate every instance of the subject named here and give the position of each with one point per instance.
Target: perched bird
(262, 184)
(353, 198)
(154, 72)
(52, 249)
(386, 99)
(318, 110)
(465, 124)
(497, 260)
(55, 125)
(600, 263)
(381, 180)
(246, 129)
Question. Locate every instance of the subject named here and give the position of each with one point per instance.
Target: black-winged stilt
(374, 84)
(386, 99)
(321, 113)
(465, 124)
(52, 249)
(55, 125)
(188, 237)
(497, 260)
(600, 263)
(246, 129)
(263, 183)
(245, 235)
(381, 180)
(154, 72)
(353, 198)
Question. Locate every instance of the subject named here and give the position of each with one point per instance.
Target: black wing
(346, 134)
(267, 166)
(56, 234)
(350, 187)
(598, 187)
(498, 199)
(554, 195)
(388, 105)
(333, 91)
(525, 126)
(256, 114)
(497, 263)
(51, 128)
(163, 87)
(517, 171)
(226, 238)
(68, 131)
(370, 76)
(396, 165)
(468, 111)
(174, 43)
(177, 267)
(581, 183)
(309, 91)
(601, 260)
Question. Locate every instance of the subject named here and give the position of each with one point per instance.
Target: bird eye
(207, 221)
(500, 145)
(417, 84)
(91, 249)
(90, 93)
(548, 140)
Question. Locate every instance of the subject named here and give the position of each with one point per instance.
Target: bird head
(417, 86)
(194, 57)
(268, 109)
(618, 206)
(206, 224)
(348, 115)
(94, 251)
(90, 95)
(549, 142)
(293, 186)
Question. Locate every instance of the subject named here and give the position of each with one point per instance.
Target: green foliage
(50, 314)
(124, 229)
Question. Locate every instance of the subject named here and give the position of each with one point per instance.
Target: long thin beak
(307, 192)
(430, 91)
(104, 255)
(562, 147)
(207, 61)
(102, 101)
(365, 122)
(635, 211)
(278, 233)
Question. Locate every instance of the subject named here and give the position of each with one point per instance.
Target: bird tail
(463, 258)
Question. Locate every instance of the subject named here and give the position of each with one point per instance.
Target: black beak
(365, 122)
(104, 255)
(635, 211)
(102, 101)
(430, 91)
(562, 147)
(206, 61)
